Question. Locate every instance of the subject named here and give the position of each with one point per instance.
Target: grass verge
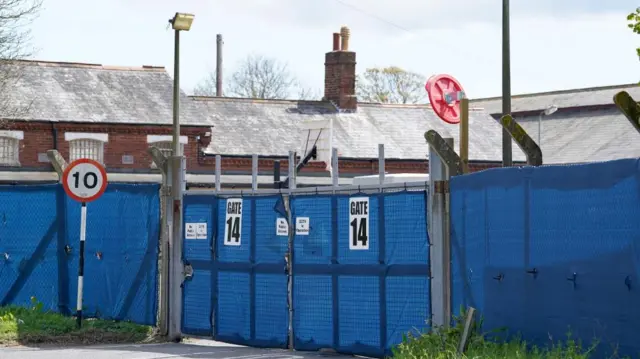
(443, 344)
(29, 326)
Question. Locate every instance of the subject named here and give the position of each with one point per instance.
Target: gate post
(163, 248)
(289, 258)
(438, 225)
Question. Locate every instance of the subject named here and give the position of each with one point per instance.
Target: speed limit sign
(84, 180)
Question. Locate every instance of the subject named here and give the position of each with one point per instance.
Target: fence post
(163, 247)
(290, 259)
(218, 172)
(440, 251)
(335, 171)
(254, 173)
(523, 140)
(629, 107)
(58, 162)
(381, 164)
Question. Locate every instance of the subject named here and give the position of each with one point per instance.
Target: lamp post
(507, 153)
(180, 22)
(547, 111)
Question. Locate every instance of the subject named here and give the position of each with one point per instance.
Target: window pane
(9, 151)
(86, 149)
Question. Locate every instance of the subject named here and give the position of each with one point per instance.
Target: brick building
(113, 114)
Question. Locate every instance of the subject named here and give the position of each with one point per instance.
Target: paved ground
(194, 349)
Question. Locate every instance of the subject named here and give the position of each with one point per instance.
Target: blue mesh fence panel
(546, 250)
(30, 241)
(121, 251)
(39, 222)
(356, 300)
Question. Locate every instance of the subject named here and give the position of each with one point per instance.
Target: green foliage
(634, 24)
(442, 343)
(28, 325)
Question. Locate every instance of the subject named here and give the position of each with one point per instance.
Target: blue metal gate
(238, 291)
(360, 270)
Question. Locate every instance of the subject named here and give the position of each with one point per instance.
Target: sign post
(84, 180)
(450, 103)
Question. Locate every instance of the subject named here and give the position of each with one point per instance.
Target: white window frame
(10, 142)
(164, 143)
(86, 139)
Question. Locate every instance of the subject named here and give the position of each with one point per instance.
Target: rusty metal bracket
(524, 141)
(448, 155)
(627, 105)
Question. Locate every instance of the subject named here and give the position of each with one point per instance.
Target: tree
(634, 24)
(260, 77)
(390, 85)
(15, 18)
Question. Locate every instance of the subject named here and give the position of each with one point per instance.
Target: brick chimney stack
(340, 72)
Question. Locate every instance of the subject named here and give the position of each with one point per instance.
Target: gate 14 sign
(233, 222)
(84, 180)
(359, 223)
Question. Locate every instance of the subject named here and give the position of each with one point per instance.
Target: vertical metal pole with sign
(84, 180)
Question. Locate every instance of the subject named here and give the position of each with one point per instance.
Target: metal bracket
(158, 158)
(448, 155)
(57, 161)
(188, 271)
(627, 105)
(524, 141)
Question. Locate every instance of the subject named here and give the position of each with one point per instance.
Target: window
(10, 147)
(165, 145)
(86, 145)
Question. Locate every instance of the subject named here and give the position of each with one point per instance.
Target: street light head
(550, 110)
(181, 21)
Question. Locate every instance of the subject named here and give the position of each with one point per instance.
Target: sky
(555, 44)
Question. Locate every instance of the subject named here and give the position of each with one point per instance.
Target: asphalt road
(198, 349)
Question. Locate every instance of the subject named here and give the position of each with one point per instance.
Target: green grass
(443, 344)
(28, 326)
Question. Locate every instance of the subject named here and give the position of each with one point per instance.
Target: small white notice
(302, 226)
(201, 231)
(233, 222)
(282, 228)
(359, 223)
(190, 231)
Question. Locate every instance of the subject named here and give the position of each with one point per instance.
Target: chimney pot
(345, 33)
(336, 41)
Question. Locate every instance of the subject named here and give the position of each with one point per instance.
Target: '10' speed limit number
(84, 180)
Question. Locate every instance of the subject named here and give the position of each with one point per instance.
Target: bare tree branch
(391, 85)
(15, 35)
(260, 77)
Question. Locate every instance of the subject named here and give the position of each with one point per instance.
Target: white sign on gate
(233, 222)
(190, 231)
(359, 223)
(302, 226)
(282, 227)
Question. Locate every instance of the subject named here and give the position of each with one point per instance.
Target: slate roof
(584, 135)
(563, 99)
(74, 92)
(245, 127)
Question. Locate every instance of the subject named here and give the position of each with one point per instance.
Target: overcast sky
(556, 44)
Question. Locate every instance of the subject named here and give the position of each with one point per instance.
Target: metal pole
(507, 159)
(176, 276)
(254, 173)
(83, 233)
(218, 172)
(381, 163)
(292, 170)
(219, 44)
(464, 134)
(176, 95)
(540, 129)
(276, 174)
(335, 174)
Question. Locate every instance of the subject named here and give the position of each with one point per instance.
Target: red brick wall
(132, 140)
(123, 140)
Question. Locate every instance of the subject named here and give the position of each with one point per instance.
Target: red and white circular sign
(444, 95)
(84, 180)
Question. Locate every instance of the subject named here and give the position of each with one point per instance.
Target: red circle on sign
(438, 87)
(101, 172)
